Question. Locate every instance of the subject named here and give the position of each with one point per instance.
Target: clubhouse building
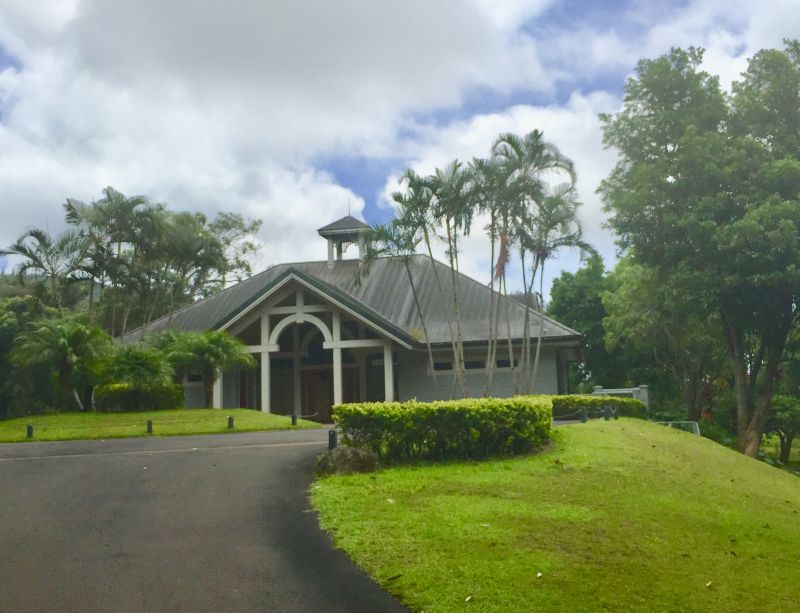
(322, 336)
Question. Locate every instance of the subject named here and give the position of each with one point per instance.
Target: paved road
(201, 523)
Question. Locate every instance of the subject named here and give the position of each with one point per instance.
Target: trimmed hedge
(462, 429)
(121, 397)
(570, 406)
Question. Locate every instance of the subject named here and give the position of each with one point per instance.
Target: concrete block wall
(416, 381)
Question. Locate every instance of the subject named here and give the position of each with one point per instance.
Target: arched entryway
(302, 374)
(311, 356)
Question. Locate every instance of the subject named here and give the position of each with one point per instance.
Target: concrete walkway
(200, 523)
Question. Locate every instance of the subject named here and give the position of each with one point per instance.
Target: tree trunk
(786, 446)
(427, 240)
(507, 305)
(77, 397)
(692, 394)
(492, 328)
(424, 327)
(751, 441)
(735, 342)
(126, 312)
(541, 327)
(64, 388)
(459, 357)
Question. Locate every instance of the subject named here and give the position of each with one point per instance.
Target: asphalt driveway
(200, 523)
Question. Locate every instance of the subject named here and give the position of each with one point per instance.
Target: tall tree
(139, 366)
(680, 334)
(528, 160)
(416, 204)
(453, 211)
(704, 195)
(207, 353)
(576, 299)
(553, 226)
(55, 261)
(72, 350)
(488, 191)
(398, 241)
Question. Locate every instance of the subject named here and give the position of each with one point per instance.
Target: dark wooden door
(317, 394)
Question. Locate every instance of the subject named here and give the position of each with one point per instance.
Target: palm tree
(108, 224)
(416, 207)
(141, 367)
(208, 353)
(553, 226)
(488, 192)
(396, 240)
(57, 259)
(453, 209)
(527, 159)
(70, 349)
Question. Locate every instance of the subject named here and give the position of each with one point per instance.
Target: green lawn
(66, 426)
(617, 516)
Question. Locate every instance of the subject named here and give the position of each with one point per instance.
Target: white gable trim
(292, 277)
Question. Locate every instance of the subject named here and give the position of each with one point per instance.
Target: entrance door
(317, 394)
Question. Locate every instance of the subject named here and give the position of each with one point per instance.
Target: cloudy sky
(296, 111)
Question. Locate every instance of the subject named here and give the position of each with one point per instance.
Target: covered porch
(311, 355)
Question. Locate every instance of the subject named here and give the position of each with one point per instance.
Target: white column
(388, 373)
(337, 360)
(216, 395)
(330, 253)
(296, 370)
(265, 378)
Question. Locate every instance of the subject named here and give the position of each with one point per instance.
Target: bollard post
(149, 426)
(584, 415)
(230, 422)
(607, 412)
(294, 419)
(332, 442)
(29, 430)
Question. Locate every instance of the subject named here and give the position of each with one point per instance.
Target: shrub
(463, 429)
(571, 406)
(118, 397)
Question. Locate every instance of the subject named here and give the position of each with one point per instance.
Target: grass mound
(67, 426)
(623, 515)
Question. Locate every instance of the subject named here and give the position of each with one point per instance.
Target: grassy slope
(616, 516)
(65, 426)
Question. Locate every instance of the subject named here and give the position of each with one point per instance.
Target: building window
(194, 377)
(442, 366)
(474, 364)
(506, 363)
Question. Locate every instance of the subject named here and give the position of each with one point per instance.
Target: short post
(294, 419)
(29, 430)
(607, 412)
(332, 442)
(149, 426)
(230, 422)
(584, 415)
(616, 412)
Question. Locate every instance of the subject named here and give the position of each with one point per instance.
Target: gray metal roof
(383, 297)
(345, 223)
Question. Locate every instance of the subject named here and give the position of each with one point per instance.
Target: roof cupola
(345, 231)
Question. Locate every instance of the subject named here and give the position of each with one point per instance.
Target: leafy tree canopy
(706, 192)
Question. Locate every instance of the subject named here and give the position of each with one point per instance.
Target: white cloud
(573, 128)
(213, 105)
(510, 14)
